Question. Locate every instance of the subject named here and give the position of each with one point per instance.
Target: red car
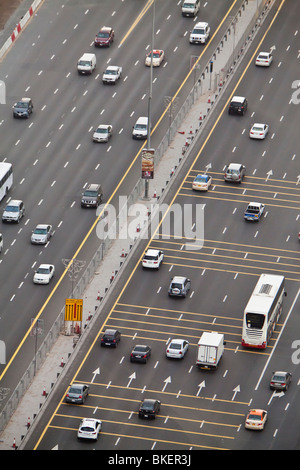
(105, 37)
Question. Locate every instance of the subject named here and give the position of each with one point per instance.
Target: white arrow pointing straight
(167, 381)
(202, 385)
(131, 377)
(236, 389)
(270, 173)
(96, 372)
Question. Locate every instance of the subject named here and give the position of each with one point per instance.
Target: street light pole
(146, 194)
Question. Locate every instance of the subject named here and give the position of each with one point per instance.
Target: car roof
(257, 412)
(106, 29)
(235, 165)
(279, 372)
(179, 341)
(239, 99)
(14, 202)
(149, 400)
(201, 24)
(90, 420)
(93, 186)
(178, 278)
(152, 251)
(25, 99)
(255, 204)
(110, 331)
(42, 225)
(45, 265)
(258, 124)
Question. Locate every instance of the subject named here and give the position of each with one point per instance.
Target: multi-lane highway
(207, 410)
(54, 157)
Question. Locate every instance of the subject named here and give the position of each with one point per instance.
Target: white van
(140, 129)
(86, 64)
(190, 7)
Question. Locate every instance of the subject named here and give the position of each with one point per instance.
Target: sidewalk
(60, 356)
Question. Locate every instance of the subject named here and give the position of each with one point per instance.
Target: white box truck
(210, 350)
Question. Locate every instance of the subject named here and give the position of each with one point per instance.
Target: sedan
(103, 133)
(259, 131)
(43, 274)
(177, 348)
(41, 234)
(280, 380)
(140, 353)
(149, 408)
(264, 59)
(202, 183)
(256, 420)
(158, 57)
(77, 393)
(153, 259)
(89, 428)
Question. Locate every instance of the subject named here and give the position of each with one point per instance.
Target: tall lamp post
(146, 194)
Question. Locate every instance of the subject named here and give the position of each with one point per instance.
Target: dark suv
(23, 108)
(238, 105)
(111, 338)
(105, 37)
(92, 196)
(149, 408)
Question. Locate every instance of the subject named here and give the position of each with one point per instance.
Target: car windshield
(201, 179)
(148, 406)
(140, 349)
(87, 429)
(199, 31)
(85, 63)
(111, 72)
(150, 257)
(263, 56)
(101, 130)
(280, 378)
(21, 104)
(103, 35)
(40, 231)
(176, 285)
(43, 270)
(90, 193)
(175, 346)
(232, 171)
(254, 417)
(140, 126)
(257, 128)
(75, 390)
(12, 209)
(253, 210)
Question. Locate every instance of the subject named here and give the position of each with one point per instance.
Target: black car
(140, 353)
(111, 338)
(149, 408)
(77, 393)
(280, 380)
(92, 196)
(23, 108)
(238, 105)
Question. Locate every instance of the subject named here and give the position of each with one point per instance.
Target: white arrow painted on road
(236, 389)
(167, 381)
(207, 167)
(202, 385)
(273, 48)
(96, 372)
(270, 173)
(131, 377)
(276, 394)
(298, 179)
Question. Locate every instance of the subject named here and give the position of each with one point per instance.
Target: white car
(259, 131)
(112, 74)
(202, 183)
(41, 234)
(43, 274)
(153, 259)
(256, 420)
(103, 133)
(158, 57)
(264, 59)
(89, 428)
(177, 348)
(200, 33)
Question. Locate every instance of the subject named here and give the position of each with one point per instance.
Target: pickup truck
(112, 74)
(254, 211)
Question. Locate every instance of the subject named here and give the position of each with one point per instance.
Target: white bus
(263, 311)
(6, 178)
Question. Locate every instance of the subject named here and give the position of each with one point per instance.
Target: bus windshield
(255, 320)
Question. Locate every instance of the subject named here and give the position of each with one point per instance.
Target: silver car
(41, 234)
(103, 133)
